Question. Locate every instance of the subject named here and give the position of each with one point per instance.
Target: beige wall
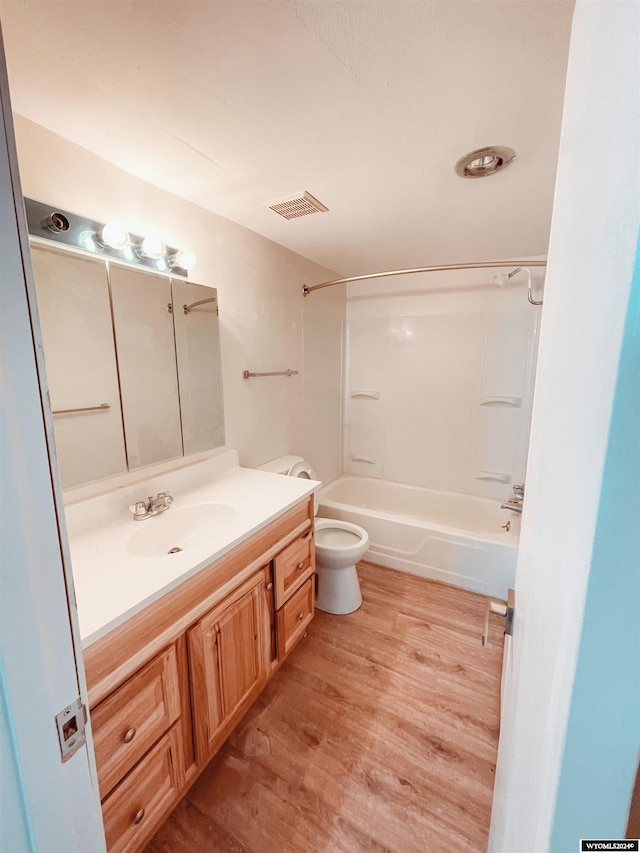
(260, 293)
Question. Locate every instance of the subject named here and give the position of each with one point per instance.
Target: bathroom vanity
(171, 674)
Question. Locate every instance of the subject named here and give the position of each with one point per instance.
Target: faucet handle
(518, 490)
(165, 497)
(140, 509)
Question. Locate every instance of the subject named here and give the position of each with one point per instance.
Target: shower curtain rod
(306, 289)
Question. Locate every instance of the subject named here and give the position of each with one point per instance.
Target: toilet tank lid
(281, 465)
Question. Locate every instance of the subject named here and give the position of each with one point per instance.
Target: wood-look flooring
(379, 733)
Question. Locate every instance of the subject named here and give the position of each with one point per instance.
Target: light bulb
(86, 239)
(184, 259)
(152, 247)
(113, 236)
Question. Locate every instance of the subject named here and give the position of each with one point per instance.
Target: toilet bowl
(339, 546)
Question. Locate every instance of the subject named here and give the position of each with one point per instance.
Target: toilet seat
(302, 469)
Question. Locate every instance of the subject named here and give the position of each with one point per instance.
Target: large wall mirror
(133, 364)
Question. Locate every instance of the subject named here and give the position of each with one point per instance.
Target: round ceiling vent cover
(484, 161)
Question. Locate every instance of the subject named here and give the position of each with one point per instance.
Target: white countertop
(120, 566)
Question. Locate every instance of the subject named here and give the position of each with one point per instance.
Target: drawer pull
(300, 615)
(139, 815)
(269, 586)
(129, 736)
(301, 564)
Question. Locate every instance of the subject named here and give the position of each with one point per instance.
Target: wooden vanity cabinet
(168, 686)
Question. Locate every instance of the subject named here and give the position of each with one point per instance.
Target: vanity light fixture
(183, 258)
(111, 240)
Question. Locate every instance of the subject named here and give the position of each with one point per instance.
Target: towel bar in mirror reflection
(98, 408)
(247, 374)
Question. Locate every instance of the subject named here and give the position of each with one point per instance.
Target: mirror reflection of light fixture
(87, 240)
(183, 258)
(113, 236)
(152, 247)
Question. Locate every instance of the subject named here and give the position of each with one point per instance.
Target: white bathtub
(458, 539)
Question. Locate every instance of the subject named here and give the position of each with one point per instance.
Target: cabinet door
(228, 659)
(240, 650)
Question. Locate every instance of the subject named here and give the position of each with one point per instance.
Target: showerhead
(500, 279)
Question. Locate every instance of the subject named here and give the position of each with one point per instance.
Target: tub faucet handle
(518, 490)
(500, 608)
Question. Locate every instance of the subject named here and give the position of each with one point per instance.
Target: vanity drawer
(134, 809)
(293, 565)
(294, 617)
(130, 721)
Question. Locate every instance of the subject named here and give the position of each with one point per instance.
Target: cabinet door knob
(137, 818)
(301, 564)
(129, 736)
(300, 615)
(269, 585)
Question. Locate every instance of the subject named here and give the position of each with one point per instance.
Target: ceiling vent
(300, 204)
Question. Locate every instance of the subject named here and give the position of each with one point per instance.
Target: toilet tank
(281, 465)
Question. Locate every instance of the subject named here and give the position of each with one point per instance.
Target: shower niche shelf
(364, 394)
(516, 402)
(496, 476)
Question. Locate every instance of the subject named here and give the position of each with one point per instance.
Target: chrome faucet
(152, 506)
(515, 503)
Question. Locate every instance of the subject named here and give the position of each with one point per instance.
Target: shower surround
(439, 380)
(437, 395)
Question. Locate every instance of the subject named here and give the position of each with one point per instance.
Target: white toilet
(339, 546)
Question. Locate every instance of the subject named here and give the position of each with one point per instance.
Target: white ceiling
(367, 104)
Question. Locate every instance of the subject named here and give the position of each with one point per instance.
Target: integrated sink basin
(179, 529)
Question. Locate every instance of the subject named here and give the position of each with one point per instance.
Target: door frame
(54, 806)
